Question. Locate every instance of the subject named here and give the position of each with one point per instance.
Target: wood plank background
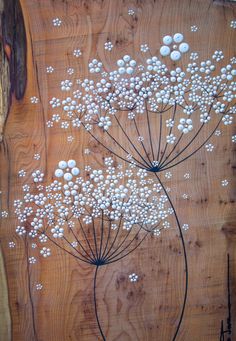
(149, 308)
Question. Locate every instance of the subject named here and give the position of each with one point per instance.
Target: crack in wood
(13, 71)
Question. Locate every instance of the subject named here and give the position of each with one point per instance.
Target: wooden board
(148, 309)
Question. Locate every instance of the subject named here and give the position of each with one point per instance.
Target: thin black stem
(185, 261)
(108, 238)
(172, 150)
(80, 244)
(170, 131)
(95, 304)
(187, 145)
(159, 143)
(126, 254)
(130, 141)
(126, 247)
(149, 131)
(195, 151)
(102, 228)
(145, 151)
(87, 241)
(114, 240)
(112, 152)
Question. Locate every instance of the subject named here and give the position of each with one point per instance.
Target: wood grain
(148, 309)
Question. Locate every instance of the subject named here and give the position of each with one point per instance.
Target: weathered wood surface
(150, 308)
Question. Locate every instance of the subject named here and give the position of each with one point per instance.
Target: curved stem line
(95, 303)
(185, 262)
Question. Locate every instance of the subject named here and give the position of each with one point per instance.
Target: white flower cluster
(123, 199)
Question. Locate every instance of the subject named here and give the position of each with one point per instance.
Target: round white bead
(59, 173)
(126, 58)
(62, 164)
(67, 176)
(167, 40)
(120, 62)
(75, 171)
(71, 163)
(183, 47)
(175, 55)
(164, 51)
(178, 37)
(129, 70)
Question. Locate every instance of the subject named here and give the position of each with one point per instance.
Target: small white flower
(108, 45)
(74, 244)
(234, 138)
(22, 173)
(11, 245)
(156, 232)
(87, 151)
(20, 230)
(33, 245)
(37, 156)
(37, 176)
(34, 100)
(194, 28)
(217, 133)
(144, 48)
(185, 125)
(70, 70)
(185, 227)
(70, 138)
(224, 182)
(66, 85)
(4, 214)
(185, 196)
(170, 139)
(45, 252)
(193, 56)
(218, 55)
(55, 102)
(49, 69)
(187, 176)
(233, 23)
(77, 53)
(49, 124)
(140, 138)
(95, 66)
(104, 122)
(227, 119)
(133, 277)
(32, 260)
(39, 286)
(131, 12)
(209, 147)
(56, 22)
(168, 175)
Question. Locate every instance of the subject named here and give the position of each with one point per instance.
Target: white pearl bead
(59, 173)
(175, 55)
(121, 70)
(183, 47)
(71, 163)
(120, 62)
(132, 63)
(129, 70)
(67, 176)
(126, 58)
(178, 37)
(164, 51)
(62, 164)
(167, 40)
(75, 171)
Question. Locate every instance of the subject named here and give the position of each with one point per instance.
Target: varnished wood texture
(149, 309)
